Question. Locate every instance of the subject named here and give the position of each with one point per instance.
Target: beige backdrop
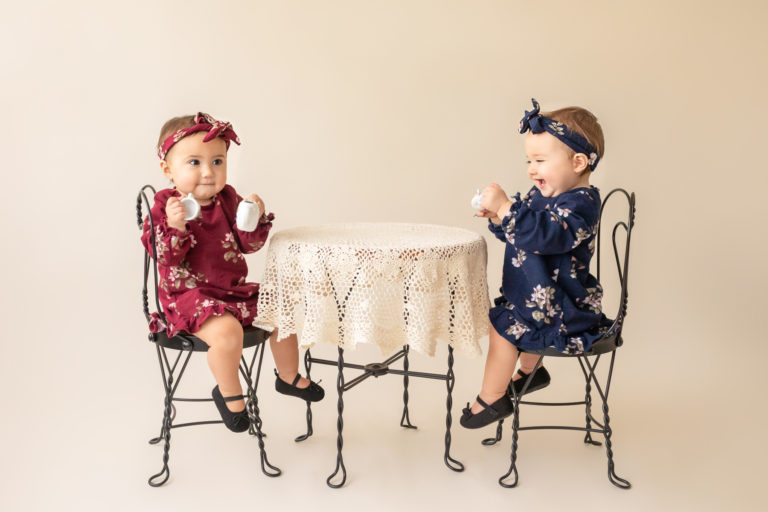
(381, 111)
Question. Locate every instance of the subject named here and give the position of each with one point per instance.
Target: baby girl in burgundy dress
(201, 264)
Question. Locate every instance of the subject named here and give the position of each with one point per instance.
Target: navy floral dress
(549, 297)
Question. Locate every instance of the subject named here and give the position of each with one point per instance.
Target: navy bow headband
(537, 123)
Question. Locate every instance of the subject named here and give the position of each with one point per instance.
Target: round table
(385, 283)
(400, 286)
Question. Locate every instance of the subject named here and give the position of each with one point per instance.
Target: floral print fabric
(549, 298)
(202, 271)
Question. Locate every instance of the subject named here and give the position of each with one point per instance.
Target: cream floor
(667, 444)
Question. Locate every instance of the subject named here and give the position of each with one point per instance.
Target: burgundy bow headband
(203, 123)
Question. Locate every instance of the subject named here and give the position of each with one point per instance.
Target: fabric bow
(532, 120)
(217, 128)
(203, 123)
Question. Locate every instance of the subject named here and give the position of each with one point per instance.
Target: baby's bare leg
(224, 336)
(286, 355)
(527, 363)
(499, 367)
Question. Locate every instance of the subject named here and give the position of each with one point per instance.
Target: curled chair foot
(339, 467)
(453, 464)
(512, 484)
(303, 437)
(588, 440)
(160, 478)
(616, 479)
(172, 417)
(405, 421)
(493, 440)
(267, 468)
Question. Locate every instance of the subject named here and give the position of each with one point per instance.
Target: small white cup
(191, 206)
(476, 201)
(248, 215)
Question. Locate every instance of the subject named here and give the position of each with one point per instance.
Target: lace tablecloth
(388, 284)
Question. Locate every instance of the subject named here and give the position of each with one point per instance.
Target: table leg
(452, 463)
(307, 367)
(339, 426)
(405, 421)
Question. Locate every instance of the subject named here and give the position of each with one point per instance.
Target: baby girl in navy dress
(549, 297)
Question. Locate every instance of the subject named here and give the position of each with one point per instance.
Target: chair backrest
(622, 261)
(142, 199)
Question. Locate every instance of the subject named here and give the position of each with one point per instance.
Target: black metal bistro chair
(608, 344)
(182, 346)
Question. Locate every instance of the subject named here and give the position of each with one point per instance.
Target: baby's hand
(176, 212)
(494, 198)
(256, 199)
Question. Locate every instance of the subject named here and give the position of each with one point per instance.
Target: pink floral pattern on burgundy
(202, 271)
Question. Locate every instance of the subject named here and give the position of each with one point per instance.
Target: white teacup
(248, 215)
(476, 201)
(191, 206)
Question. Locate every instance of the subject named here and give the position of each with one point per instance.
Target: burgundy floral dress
(202, 271)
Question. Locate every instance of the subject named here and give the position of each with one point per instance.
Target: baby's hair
(172, 125)
(583, 122)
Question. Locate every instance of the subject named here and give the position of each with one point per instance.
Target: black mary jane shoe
(498, 410)
(312, 393)
(541, 379)
(234, 421)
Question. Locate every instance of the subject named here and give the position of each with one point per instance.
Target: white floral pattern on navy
(550, 242)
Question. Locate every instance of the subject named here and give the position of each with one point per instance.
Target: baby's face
(198, 167)
(551, 165)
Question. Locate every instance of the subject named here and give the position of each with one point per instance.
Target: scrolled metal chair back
(622, 261)
(143, 200)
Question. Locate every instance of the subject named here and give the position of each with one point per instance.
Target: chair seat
(252, 336)
(601, 346)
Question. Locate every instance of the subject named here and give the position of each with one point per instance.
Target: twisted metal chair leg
(513, 455)
(160, 436)
(162, 476)
(516, 425)
(339, 426)
(490, 441)
(588, 411)
(254, 415)
(612, 476)
(405, 420)
(450, 381)
(307, 367)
